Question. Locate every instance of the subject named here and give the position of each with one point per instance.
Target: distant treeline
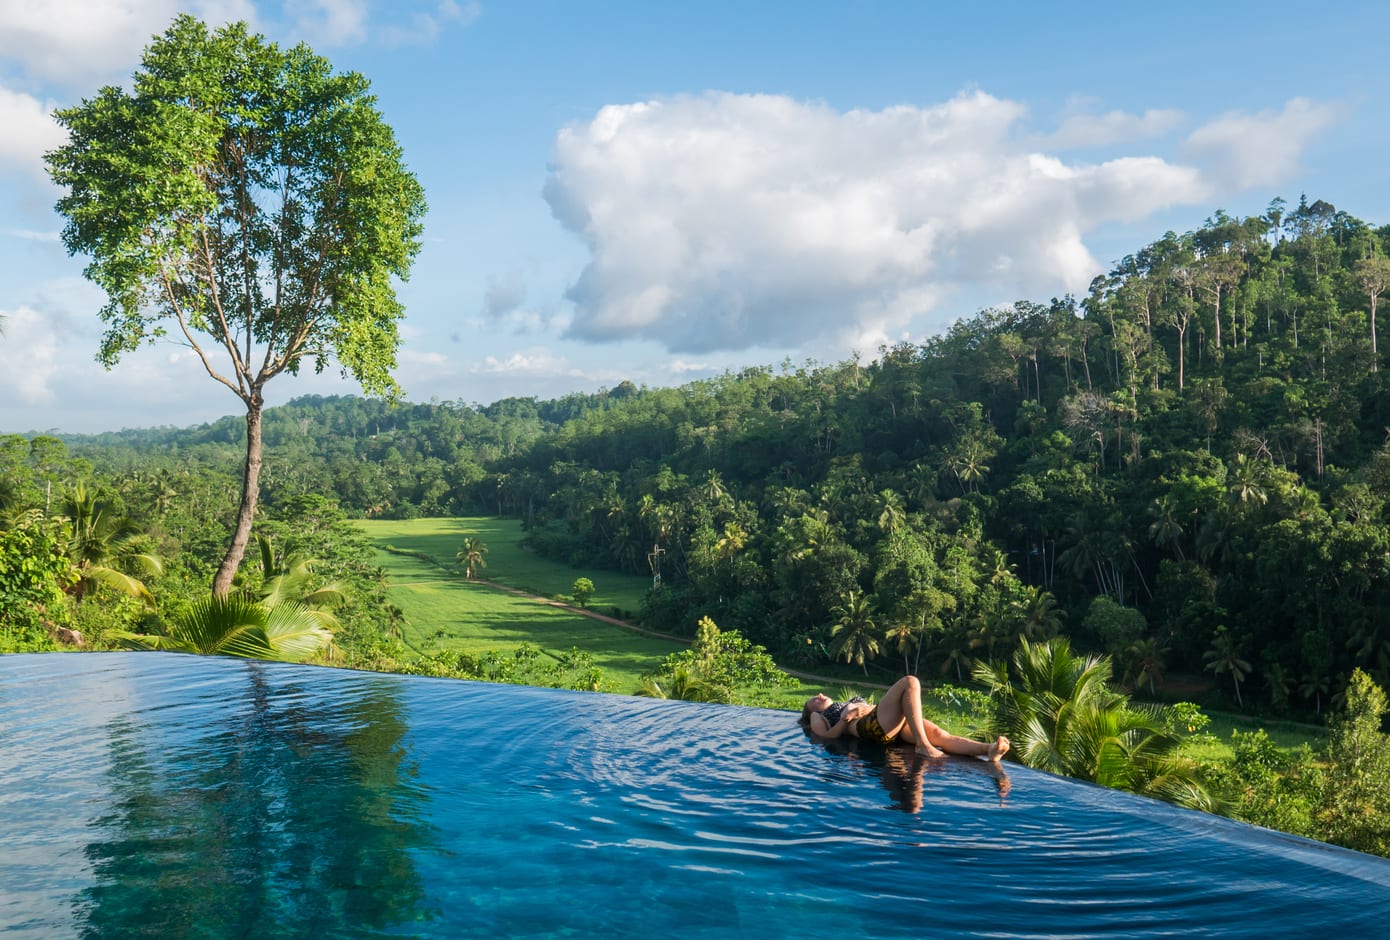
(1187, 468)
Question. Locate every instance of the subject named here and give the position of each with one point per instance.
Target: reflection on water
(149, 794)
(901, 769)
(291, 816)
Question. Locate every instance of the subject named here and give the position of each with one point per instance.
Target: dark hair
(806, 713)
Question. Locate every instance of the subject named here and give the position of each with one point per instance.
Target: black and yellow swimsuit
(867, 728)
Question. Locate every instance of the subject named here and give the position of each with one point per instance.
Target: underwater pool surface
(150, 794)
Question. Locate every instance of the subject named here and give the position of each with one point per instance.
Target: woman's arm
(824, 729)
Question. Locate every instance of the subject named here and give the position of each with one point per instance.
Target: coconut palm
(235, 625)
(103, 544)
(1146, 657)
(289, 578)
(855, 635)
(470, 555)
(905, 638)
(892, 514)
(684, 685)
(1226, 655)
(1062, 715)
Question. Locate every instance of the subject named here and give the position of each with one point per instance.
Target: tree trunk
(250, 492)
(1375, 357)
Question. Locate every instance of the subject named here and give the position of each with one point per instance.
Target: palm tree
(289, 578)
(235, 625)
(890, 519)
(905, 638)
(713, 490)
(1247, 482)
(854, 635)
(1037, 613)
(1314, 686)
(684, 685)
(1166, 529)
(1225, 656)
(102, 543)
(1147, 662)
(470, 555)
(1062, 715)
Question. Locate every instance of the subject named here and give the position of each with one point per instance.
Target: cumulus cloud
(534, 361)
(29, 132)
(79, 43)
(729, 221)
(28, 354)
(1249, 150)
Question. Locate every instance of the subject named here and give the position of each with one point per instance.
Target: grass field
(445, 612)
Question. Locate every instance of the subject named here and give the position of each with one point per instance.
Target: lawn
(446, 612)
(507, 562)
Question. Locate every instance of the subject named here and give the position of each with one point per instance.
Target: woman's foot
(927, 749)
(998, 749)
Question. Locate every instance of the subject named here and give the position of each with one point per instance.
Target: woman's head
(815, 704)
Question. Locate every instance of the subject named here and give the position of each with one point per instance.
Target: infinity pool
(167, 795)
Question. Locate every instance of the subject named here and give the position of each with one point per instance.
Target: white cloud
(734, 221)
(424, 26)
(29, 132)
(1113, 127)
(81, 42)
(334, 22)
(409, 357)
(535, 361)
(352, 22)
(1250, 150)
(28, 353)
(681, 367)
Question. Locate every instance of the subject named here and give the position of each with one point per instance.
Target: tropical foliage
(239, 626)
(1062, 715)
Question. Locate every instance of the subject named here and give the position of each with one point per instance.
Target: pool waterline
(163, 794)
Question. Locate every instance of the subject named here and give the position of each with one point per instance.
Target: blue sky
(660, 192)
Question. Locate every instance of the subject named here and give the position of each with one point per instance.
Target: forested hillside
(1187, 468)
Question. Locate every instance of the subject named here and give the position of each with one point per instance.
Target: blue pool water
(166, 795)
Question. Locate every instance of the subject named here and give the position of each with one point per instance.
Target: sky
(661, 192)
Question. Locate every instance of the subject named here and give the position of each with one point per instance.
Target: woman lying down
(896, 719)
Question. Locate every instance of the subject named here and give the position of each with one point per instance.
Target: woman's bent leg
(902, 705)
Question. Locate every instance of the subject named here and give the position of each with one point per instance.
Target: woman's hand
(857, 710)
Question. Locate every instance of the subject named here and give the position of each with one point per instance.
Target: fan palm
(234, 625)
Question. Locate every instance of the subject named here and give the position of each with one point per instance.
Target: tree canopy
(253, 204)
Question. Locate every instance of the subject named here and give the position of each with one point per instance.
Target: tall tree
(252, 201)
(1373, 274)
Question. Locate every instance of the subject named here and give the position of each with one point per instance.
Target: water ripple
(148, 794)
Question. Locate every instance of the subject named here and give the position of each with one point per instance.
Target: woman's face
(818, 703)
